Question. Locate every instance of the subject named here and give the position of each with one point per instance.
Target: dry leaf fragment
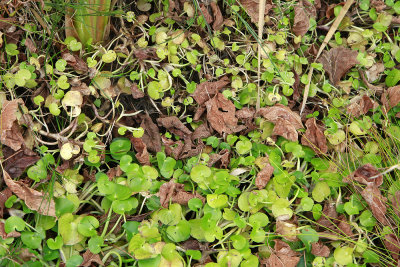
(282, 256)
(393, 245)
(175, 193)
(75, 62)
(287, 230)
(245, 113)
(391, 97)
(172, 148)
(363, 174)
(207, 90)
(175, 126)
(136, 92)
(320, 250)
(218, 19)
(201, 132)
(376, 202)
(337, 61)
(361, 106)
(142, 155)
(33, 199)
(151, 136)
(252, 7)
(4, 195)
(274, 113)
(314, 137)
(221, 114)
(285, 129)
(374, 72)
(90, 259)
(264, 176)
(4, 235)
(15, 163)
(10, 132)
(301, 21)
(204, 12)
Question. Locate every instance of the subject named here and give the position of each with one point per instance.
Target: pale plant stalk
(261, 20)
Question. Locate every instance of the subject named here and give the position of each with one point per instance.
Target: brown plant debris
(176, 193)
(314, 137)
(376, 202)
(206, 90)
(337, 62)
(252, 7)
(264, 176)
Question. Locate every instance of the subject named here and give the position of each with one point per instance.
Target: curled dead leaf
(314, 137)
(274, 113)
(393, 245)
(221, 114)
(374, 72)
(282, 256)
(319, 249)
(142, 155)
(77, 63)
(15, 162)
(218, 19)
(204, 11)
(4, 195)
(376, 202)
(175, 126)
(222, 157)
(287, 230)
(361, 106)
(10, 131)
(285, 129)
(301, 21)
(207, 90)
(337, 61)
(252, 7)
(35, 200)
(264, 176)
(176, 193)
(89, 259)
(201, 132)
(4, 235)
(151, 136)
(363, 174)
(391, 97)
(136, 92)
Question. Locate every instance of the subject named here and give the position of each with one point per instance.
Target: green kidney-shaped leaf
(179, 232)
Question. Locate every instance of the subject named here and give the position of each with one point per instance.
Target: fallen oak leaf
(33, 199)
(314, 137)
(337, 62)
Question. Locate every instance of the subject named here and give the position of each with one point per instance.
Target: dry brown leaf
(363, 174)
(30, 45)
(114, 172)
(172, 148)
(282, 256)
(142, 155)
(245, 113)
(4, 235)
(222, 157)
(221, 114)
(218, 19)
(374, 72)
(4, 195)
(33, 199)
(190, 149)
(391, 97)
(147, 53)
(320, 250)
(201, 132)
(337, 61)
(252, 6)
(136, 92)
(204, 12)
(264, 176)
(379, 5)
(274, 113)
(207, 90)
(176, 193)
(344, 227)
(361, 106)
(77, 63)
(376, 202)
(285, 129)
(393, 245)
(90, 259)
(15, 163)
(301, 21)
(10, 131)
(287, 230)
(314, 137)
(151, 136)
(175, 126)
(329, 216)
(396, 203)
